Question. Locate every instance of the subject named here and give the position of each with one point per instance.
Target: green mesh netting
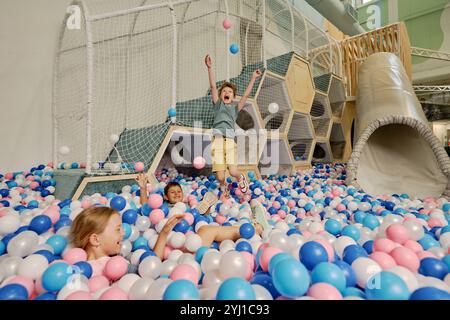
(145, 144)
(322, 82)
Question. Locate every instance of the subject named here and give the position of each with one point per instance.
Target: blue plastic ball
(140, 243)
(432, 267)
(386, 286)
(312, 253)
(130, 216)
(352, 232)
(47, 254)
(2, 248)
(429, 293)
(46, 296)
(58, 243)
(146, 254)
(333, 226)
(13, 292)
(127, 230)
(276, 259)
(371, 222)
(353, 292)
(349, 273)
(172, 112)
(200, 253)
(291, 278)
(85, 268)
(247, 230)
(182, 226)
(234, 48)
(446, 260)
(181, 290)
(329, 273)
(118, 203)
(55, 276)
(263, 279)
(235, 289)
(353, 252)
(244, 246)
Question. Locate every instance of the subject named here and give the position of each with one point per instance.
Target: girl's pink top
(98, 265)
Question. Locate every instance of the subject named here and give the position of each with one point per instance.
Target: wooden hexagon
(322, 152)
(300, 85)
(321, 115)
(301, 139)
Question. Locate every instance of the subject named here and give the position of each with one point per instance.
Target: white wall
(28, 35)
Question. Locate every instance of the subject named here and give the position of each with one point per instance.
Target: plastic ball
(150, 267)
(113, 293)
(432, 267)
(9, 223)
(406, 258)
(352, 232)
(184, 271)
(115, 268)
(234, 48)
(181, 290)
(429, 293)
(114, 138)
(233, 264)
(172, 112)
(33, 266)
(118, 203)
(291, 278)
(75, 255)
(329, 273)
(332, 226)
(193, 242)
(398, 233)
(40, 224)
(247, 230)
(130, 216)
(55, 276)
(312, 253)
(349, 273)
(199, 163)
(226, 24)
(273, 107)
(13, 292)
(364, 269)
(155, 201)
(84, 268)
(324, 291)
(235, 289)
(139, 166)
(386, 286)
(58, 243)
(383, 259)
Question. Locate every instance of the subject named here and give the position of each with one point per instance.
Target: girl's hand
(142, 180)
(171, 223)
(208, 61)
(257, 73)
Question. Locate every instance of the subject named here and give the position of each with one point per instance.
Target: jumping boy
(224, 149)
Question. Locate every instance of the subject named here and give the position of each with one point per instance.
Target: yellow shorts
(223, 153)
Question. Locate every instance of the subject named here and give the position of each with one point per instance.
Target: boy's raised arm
(255, 75)
(212, 79)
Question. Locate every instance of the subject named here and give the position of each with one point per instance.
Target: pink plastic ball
(116, 268)
(249, 258)
(189, 218)
(38, 287)
(324, 291)
(155, 201)
(79, 295)
(9, 176)
(75, 255)
(34, 185)
(340, 207)
(185, 271)
(406, 258)
(413, 245)
(238, 192)
(103, 200)
(267, 254)
(220, 219)
(98, 282)
(227, 24)
(291, 204)
(167, 251)
(383, 259)
(114, 293)
(383, 245)
(282, 214)
(398, 233)
(53, 215)
(199, 163)
(433, 222)
(156, 216)
(85, 204)
(276, 205)
(139, 166)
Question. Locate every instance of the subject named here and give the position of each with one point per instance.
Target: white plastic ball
(114, 138)
(150, 267)
(273, 107)
(64, 150)
(127, 282)
(139, 289)
(364, 269)
(177, 240)
(193, 242)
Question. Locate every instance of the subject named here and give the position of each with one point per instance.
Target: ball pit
(328, 241)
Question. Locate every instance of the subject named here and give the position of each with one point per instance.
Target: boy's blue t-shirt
(224, 119)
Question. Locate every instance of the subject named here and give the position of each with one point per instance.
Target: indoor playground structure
(333, 141)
